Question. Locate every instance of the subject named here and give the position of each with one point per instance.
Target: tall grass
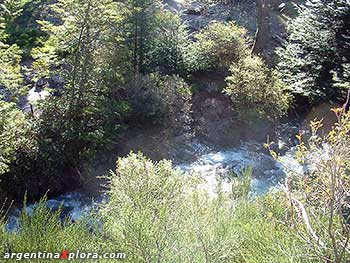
(158, 214)
(43, 231)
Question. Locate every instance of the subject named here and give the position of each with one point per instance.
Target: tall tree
(316, 60)
(155, 38)
(138, 30)
(79, 48)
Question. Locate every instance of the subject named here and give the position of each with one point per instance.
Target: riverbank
(213, 163)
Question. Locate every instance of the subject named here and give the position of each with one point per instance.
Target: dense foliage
(11, 83)
(175, 219)
(316, 59)
(256, 90)
(17, 137)
(161, 98)
(43, 231)
(79, 118)
(103, 63)
(171, 222)
(10, 78)
(217, 46)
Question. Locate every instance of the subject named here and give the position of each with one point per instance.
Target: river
(211, 163)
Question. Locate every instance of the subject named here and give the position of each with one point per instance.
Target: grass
(43, 231)
(158, 214)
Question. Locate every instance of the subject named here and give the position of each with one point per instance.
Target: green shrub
(217, 47)
(11, 81)
(168, 45)
(256, 91)
(42, 231)
(162, 99)
(17, 136)
(319, 199)
(266, 235)
(146, 209)
(158, 214)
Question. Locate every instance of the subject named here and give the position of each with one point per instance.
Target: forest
(175, 131)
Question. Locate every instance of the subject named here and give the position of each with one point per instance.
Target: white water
(267, 173)
(210, 165)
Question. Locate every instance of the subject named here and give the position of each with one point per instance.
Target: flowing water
(210, 164)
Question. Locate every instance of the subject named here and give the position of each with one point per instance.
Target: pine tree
(155, 38)
(139, 30)
(315, 60)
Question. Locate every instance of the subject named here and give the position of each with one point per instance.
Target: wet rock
(29, 209)
(66, 212)
(40, 83)
(287, 137)
(254, 147)
(276, 173)
(262, 165)
(280, 147)
(232, 166)
(266, 163)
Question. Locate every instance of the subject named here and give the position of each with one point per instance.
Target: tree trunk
(263, 34)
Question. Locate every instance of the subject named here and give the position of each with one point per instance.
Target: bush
(17, 136)
(256, 91)
(217, 47)
(266, 235)
(158, 214)
(168, 45)
(146, 209)
(162, 99)
(43, 231)
(319, 199)
(11, 81)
